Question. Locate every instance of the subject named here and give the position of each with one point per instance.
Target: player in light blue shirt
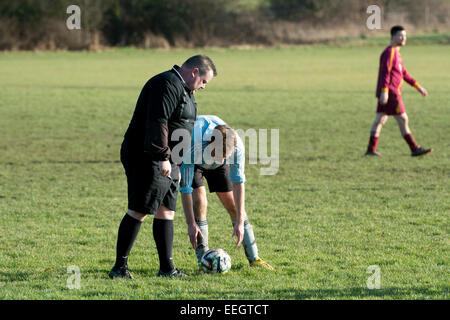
(198, 154)
(218, 154)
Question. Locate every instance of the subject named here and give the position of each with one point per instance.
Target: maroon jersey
(392, 73)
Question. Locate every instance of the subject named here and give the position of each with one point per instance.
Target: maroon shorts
(394, 105)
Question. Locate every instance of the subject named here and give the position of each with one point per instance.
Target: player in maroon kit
(391, 75)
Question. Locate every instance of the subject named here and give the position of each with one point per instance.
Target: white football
(216, 261)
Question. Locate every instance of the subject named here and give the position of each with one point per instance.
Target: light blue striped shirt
(203, 130)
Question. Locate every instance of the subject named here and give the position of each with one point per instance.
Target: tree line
(41, 24)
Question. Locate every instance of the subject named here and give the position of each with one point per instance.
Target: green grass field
(328, 214)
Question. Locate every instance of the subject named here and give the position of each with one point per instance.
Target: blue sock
(249, 242)
(202, 243)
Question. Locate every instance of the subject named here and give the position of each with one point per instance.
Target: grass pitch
(328, 214)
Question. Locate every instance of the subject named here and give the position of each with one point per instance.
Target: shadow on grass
(20, 276)
(76, 162)
(357, 293)
(15, 276)
(69, 87)
(143, 273)
(65, 162)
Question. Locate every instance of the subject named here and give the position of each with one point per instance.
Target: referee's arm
(162, 103)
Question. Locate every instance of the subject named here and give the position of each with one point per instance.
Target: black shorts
(218, 179)
(147, 189)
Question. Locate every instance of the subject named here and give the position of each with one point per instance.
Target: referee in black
(166, 103)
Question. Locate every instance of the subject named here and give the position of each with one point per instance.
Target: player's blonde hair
(229, 137)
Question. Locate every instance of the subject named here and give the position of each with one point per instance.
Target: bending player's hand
(384, 97)
(422, 91)
(238, 233)
(165, 168)
(194, 232)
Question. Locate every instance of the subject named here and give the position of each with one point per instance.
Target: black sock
(128, 231)
(163, 235)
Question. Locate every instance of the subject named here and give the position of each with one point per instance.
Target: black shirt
(164, 105)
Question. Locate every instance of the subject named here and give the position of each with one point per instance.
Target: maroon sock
(410, 141)
(373, 143)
